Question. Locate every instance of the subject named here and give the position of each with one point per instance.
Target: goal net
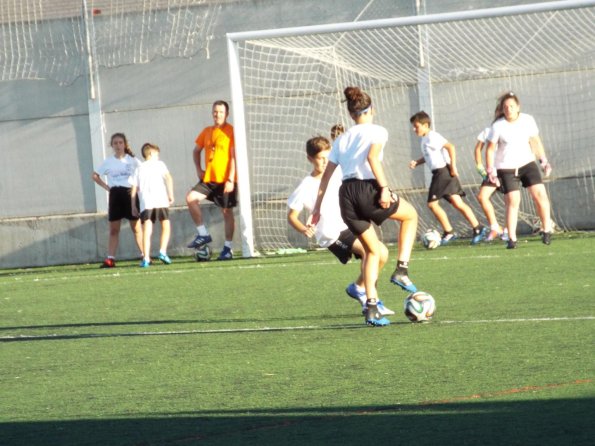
(45, 39)
(287, 86)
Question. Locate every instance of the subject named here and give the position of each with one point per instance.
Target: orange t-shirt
(217, 144)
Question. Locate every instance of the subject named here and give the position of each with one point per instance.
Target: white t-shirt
(350, 151)
(304, 196)
(512, 141)
(484, 134)
(118, 170)
(150, 180)
(434, 153)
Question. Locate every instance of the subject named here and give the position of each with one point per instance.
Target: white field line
(57, 336)
(30, 278)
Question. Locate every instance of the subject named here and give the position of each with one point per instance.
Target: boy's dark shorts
(119, 205)
(214, 192)
(154, 214)
(343, 247)
(359, 205)
(512, 179)
(444, 185)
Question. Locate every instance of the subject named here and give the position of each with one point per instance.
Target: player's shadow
(536, 422)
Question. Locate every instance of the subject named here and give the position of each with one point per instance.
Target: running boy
(440, 156)
(330, 232)
(154, 186)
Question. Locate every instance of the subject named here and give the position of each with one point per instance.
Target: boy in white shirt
(440, 156)
(154, 186)
(330, 232)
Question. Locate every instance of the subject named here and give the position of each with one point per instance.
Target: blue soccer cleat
(145, 263)
(164, 258)
(356, 294)
(200, 240)
(481, 235)
(403, 281)
(373, 316)
(448, 237)
(226, 254)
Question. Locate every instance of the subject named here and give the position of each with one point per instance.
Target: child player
(330, 232)
(440, 156)
(154, 186)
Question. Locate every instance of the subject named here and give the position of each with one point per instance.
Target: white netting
(46, 39)
(292, 89)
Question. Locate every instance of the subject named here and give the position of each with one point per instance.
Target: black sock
(402, 267)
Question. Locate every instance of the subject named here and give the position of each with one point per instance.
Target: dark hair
(316, 145)
(422, 117)
(337, 130)
(147, 147)
(122, 136)
(220, 102)
(499, 112)
(358, 101)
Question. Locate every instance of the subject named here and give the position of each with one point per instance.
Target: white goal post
(287, 86)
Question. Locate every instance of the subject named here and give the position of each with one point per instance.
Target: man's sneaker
(164, 258)
(546, 237)
(511, 244)
(145, 263)
(356, 294)
(447, 237)
(403, 281)
(199, 241)
(108, 263)
(479, 236)
(226, 254)
(373, 316)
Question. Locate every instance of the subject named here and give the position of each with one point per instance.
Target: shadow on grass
(536, 422)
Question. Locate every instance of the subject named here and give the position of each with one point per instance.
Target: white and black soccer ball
(419, 306)
(203, 254)
(431, 239)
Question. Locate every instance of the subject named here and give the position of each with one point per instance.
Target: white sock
(202, 230)
(227, 244)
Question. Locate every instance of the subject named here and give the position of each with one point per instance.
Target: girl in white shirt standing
(364, 197)
(118, 169)
(514, 143)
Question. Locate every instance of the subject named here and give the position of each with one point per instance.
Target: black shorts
(119, 204)
(443, 185)
(343, 247)
(154, 214)
(359, 205)
(214, 192)
(512, 179)
(488, 183)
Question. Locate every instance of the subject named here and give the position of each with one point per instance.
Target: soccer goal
(287, 86)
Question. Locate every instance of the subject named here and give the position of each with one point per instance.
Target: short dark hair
(316, 145)
(422, 117)
(221, 102)
(147, 147)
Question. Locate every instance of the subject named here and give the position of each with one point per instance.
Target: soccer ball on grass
(419, 306)
(203, 254)
(431, 239)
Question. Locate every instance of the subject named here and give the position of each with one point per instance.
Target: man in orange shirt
(217, 182)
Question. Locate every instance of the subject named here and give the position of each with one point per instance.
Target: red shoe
(108, 263)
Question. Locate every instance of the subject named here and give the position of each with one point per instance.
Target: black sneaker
(511, 244)
(546, 237)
